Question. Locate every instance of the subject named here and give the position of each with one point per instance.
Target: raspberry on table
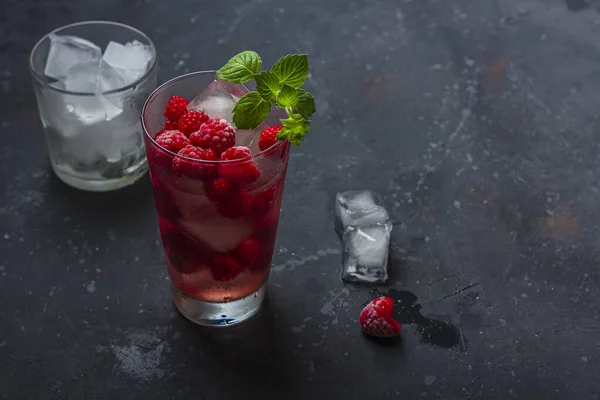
(216, 134)
(268, 137)
(172, 140)
(377, 320)
(243, 171)
(191, 121)
(190, 168)
(225, 268)
(176, 107)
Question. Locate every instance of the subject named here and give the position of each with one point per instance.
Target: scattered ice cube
(359, 208)
(68, 51)
(216, 101)
(365, 256)
(130, 60)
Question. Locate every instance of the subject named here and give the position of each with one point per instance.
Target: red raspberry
(266, 225)
(248, 252)
(243, 171)
(225, 268)
(218, 189)
(236, 205)
(172, 140)
(216, 134)
(190, 168)
(176, 107)
(264, 200)
(181, 250)
(191, 121)
(163, 200)
(170, 125)
(376, 319)
(268, 137)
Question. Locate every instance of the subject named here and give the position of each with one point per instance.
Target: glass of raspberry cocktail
(218, 165)
(218, 194)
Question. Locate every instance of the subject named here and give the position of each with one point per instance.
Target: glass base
(104, 185)
(219, 315)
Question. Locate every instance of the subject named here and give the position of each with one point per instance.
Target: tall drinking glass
(91, 80)
(218, 248)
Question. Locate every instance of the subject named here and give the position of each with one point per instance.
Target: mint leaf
(288, 96)
(250, 111)
(292, 69)
(267, 84)
(241, 67)
(305, 105)
(294, 129)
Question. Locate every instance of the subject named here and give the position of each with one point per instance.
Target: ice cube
(217, 101)
(359, 208)
(221, 234)
(130, 61)
(365, 256)
(249, 138)
(93, 77)
(68, 51)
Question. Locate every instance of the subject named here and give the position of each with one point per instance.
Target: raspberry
(243, 171)
(191, 121)
(225, 268)
(172, 140)
(264, 200)
(236, 205)
(170, 125)
(190, 168)
(182, 251)
(248, 252)
(216, 134)
(164, 201)
(176, 107)
(376, 319)
(266, 225)
(268, 137)
(218, 188)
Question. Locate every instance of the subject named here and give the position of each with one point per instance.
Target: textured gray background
(476, 120)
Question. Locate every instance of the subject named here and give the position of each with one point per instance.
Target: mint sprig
(279, 87)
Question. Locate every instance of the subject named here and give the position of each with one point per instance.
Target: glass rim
(155, 93)
(41, 79)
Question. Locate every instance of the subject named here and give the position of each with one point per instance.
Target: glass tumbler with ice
(91, 80)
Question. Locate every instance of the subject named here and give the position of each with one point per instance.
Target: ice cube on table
(359, 208)
(365, 255)
(67, 51)
(216, 101)
(130, 60)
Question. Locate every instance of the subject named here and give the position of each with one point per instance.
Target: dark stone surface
(476, 120)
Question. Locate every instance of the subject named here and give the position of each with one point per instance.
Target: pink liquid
(218, 248)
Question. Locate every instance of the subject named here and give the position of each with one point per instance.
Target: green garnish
(279, 87)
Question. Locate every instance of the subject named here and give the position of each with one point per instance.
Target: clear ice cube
(249, 138)
(365, 255)
(68, 51)
(130, 60)
(93, 77)
(217, 100)
(359, 208)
